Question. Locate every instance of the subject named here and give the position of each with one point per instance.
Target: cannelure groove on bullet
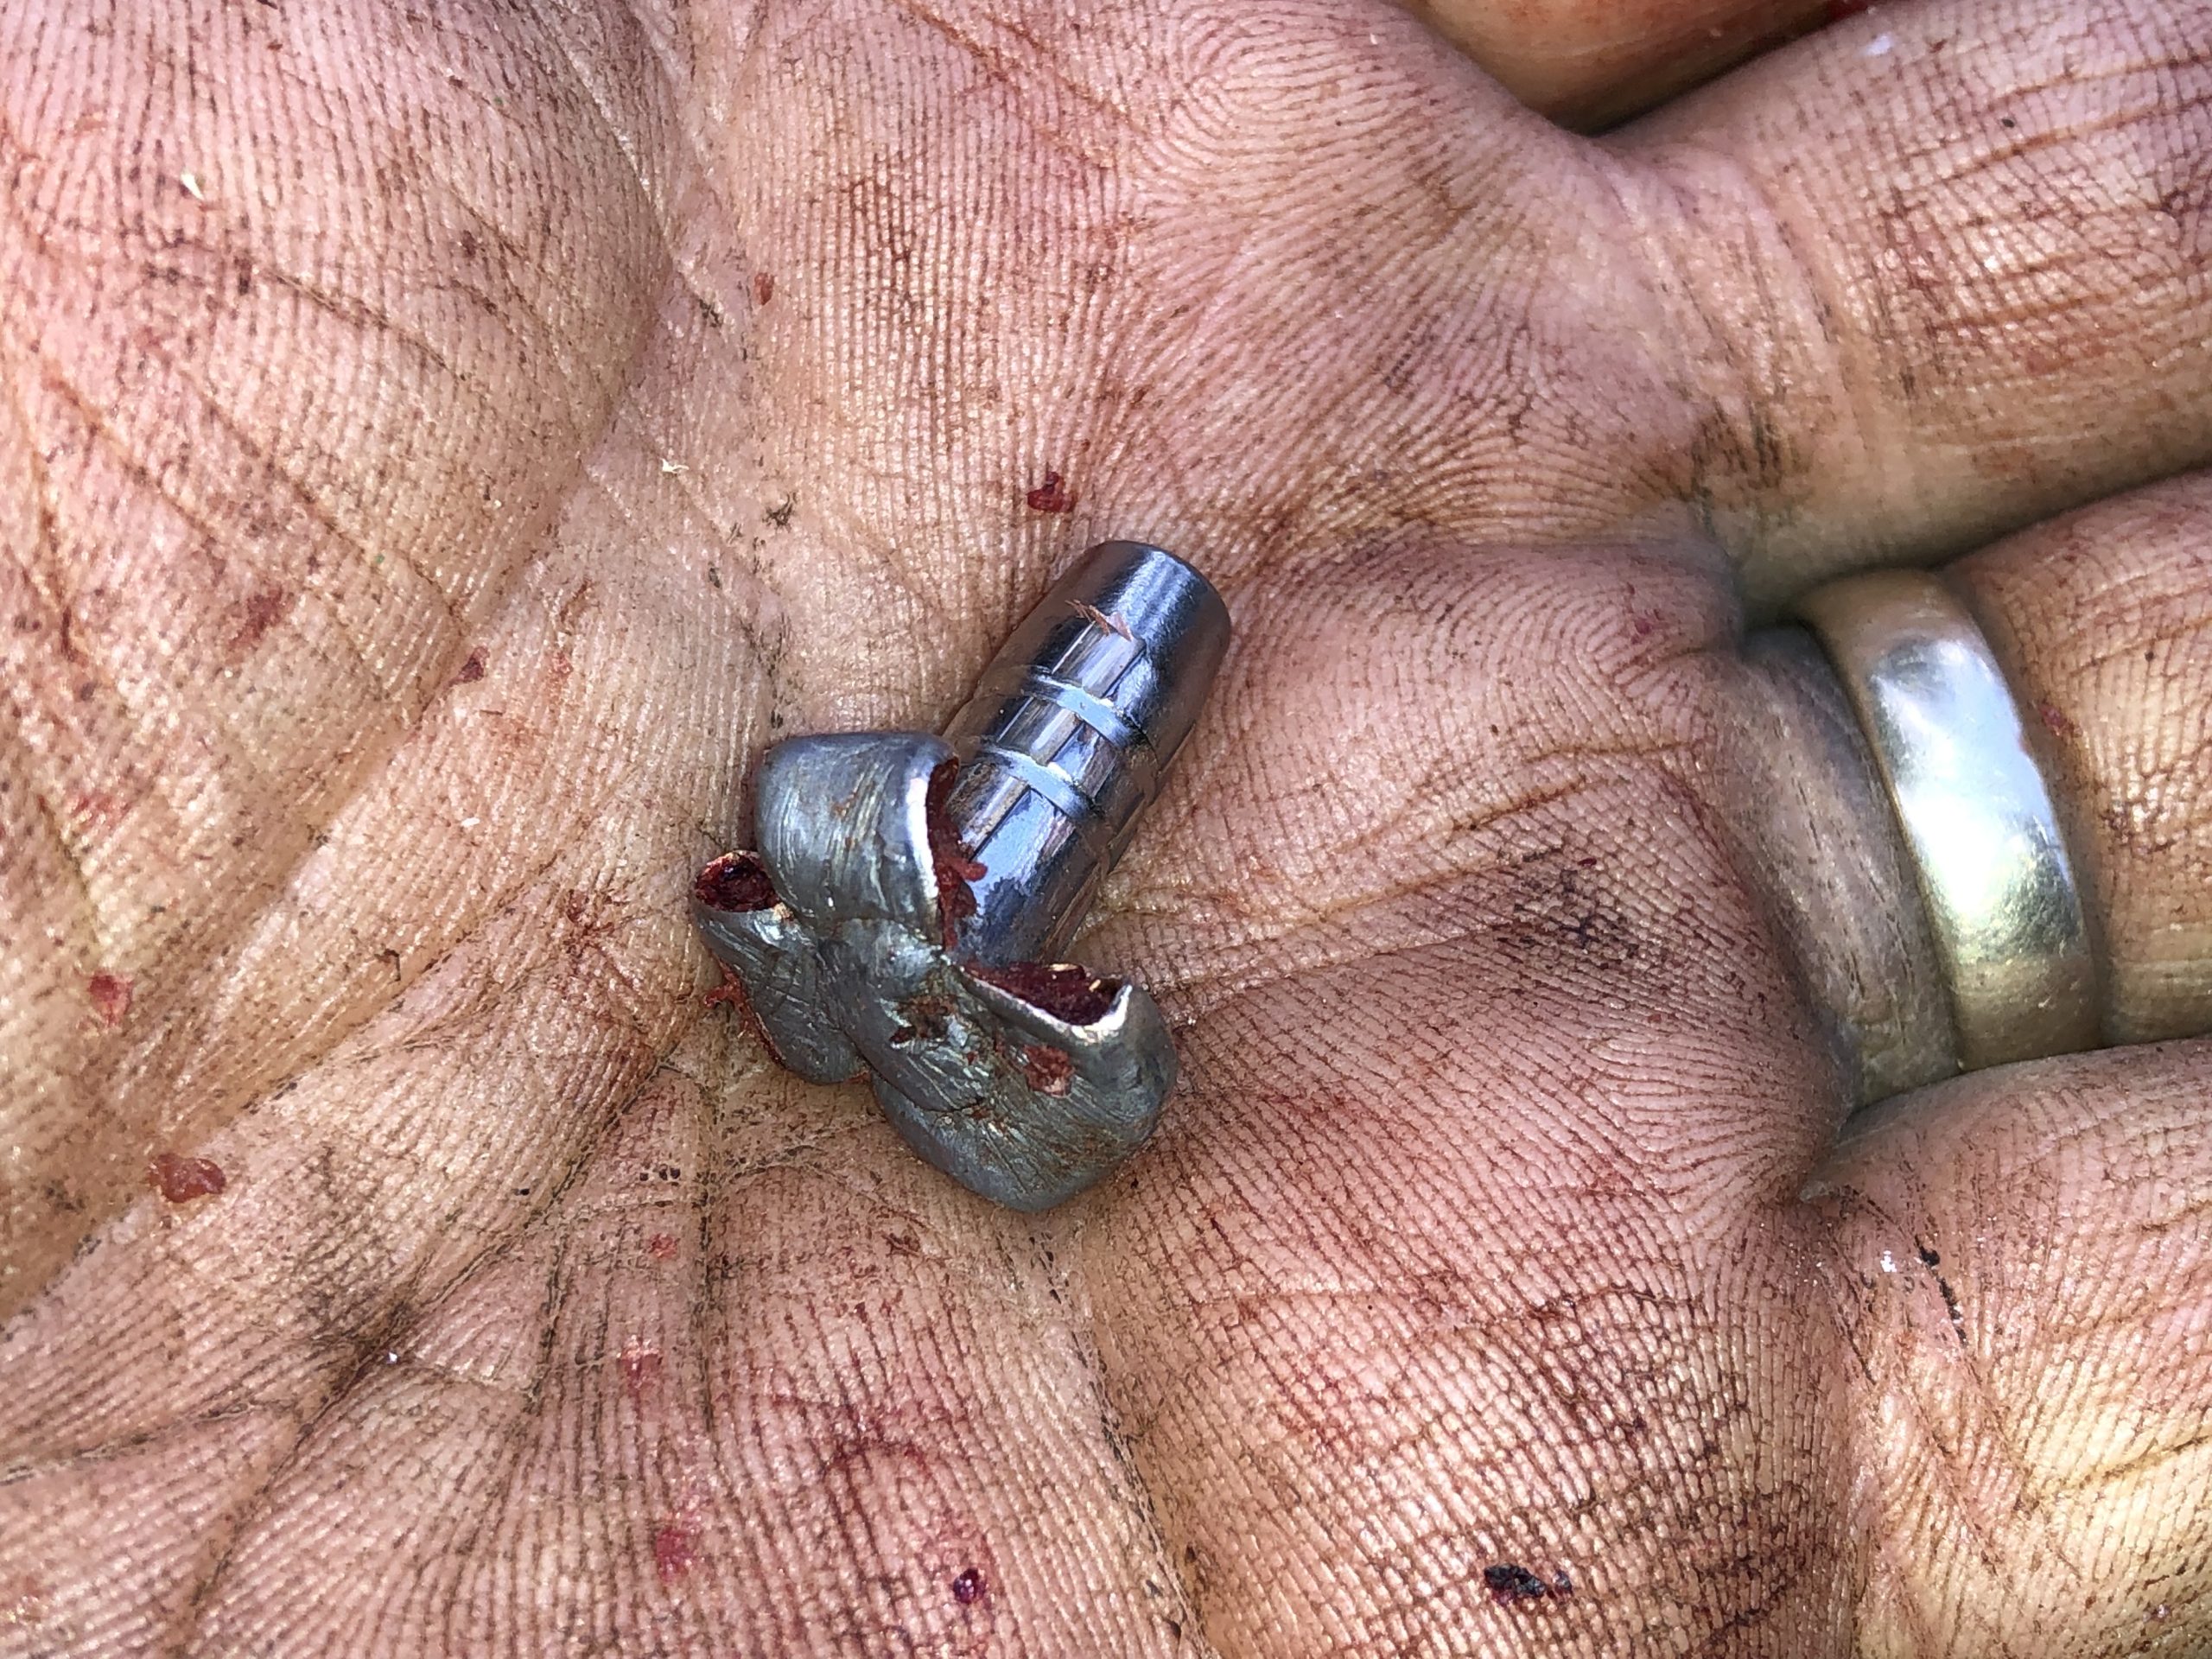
(909, 891)
(1069, 733)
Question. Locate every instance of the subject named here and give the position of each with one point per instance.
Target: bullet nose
(1069, 733)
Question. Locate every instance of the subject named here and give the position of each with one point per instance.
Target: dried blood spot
(1050, 496)
(182, 1179)
(261, 611)
(1050, 1071)
(1060, 988)
(97, 809)
(2054, 720)
(471, 669)
(734, 881)
(641, 1368)
(730, 993)
(925, 1016)
(1511, 1584)
(676, 1550)
(968, 1587)
(111, 996)
(1104, 621)
(763, 287)
(661, 1247)
(955, 900)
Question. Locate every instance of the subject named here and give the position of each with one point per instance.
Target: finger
(1941, 271)
(2099, 620)
(2024, 1269)
(2103, 621)
(1586, 65)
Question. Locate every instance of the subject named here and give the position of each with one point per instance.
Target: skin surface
(1588, 63)
(443, 448)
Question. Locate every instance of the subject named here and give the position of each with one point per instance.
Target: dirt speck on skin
(471, 669)
(968, 1587)
(1512, 1585)
(182, 1179)
(111, 996)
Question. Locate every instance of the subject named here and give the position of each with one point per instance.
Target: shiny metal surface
(1976, 815)
(1068, 734)
(906, 886)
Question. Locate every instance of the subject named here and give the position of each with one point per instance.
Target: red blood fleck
(968, 1587)
(1641, 624)
(1052, 496)
(661, 1247)
(1049, 1069)
(735, 881)
(261, 611)
(111, 996)
(182, 1179)
(676, 1550)
(763, 287)
(471, 669)
(955, 901)
(96, 808)
(641, 1368)
(730, 993)
(2055, 720)
(1060, 988)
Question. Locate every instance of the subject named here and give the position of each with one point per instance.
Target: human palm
(446, 448)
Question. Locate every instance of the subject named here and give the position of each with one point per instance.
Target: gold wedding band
(1976, 816)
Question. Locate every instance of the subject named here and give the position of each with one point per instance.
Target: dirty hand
(442, 448)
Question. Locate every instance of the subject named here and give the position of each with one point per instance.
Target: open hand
(443, 446)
